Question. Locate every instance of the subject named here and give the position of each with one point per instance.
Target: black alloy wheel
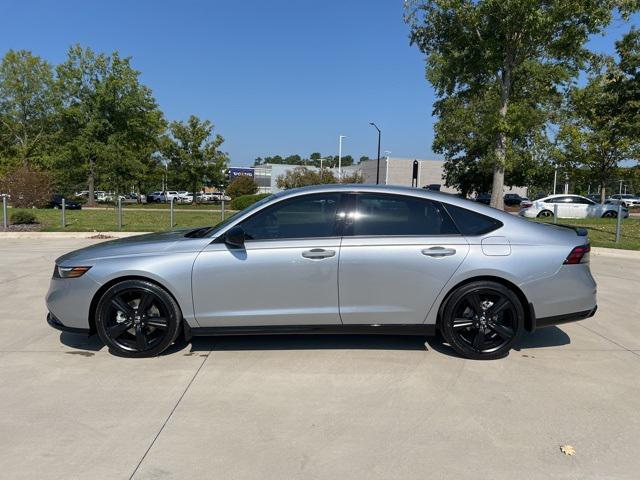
(610, 214)
(483, 320)
(135, 318)
(545, 214)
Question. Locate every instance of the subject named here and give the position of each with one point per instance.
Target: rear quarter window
(472, 223)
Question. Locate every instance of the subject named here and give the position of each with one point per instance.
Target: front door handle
(318, 253)
(438, 252)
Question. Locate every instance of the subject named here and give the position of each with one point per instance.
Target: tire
(545, 214)
(482, 320)
(610, 214)
(150, 332)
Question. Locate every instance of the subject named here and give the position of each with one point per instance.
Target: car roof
(443, 197)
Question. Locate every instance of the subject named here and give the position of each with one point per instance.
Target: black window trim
(351, 206)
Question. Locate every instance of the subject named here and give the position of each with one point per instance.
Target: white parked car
(570, 206)
(185, 197)
(625, 199)
(170, 195)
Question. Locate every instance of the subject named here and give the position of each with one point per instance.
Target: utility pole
(378, 167)
(340, 157)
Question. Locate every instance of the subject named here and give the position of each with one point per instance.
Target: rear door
(397, 254)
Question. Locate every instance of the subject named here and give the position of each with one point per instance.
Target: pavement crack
(609, 340)
(169, 416)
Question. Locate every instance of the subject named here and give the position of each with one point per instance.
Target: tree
(486, 48)
(363, 158)
(624, 84)
(599, 132)
(242, 185)
(27, 107)
(193, 153)
(302, 177)
(110, 122)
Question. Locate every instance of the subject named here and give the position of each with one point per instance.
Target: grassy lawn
(602, 231)
(132, 221)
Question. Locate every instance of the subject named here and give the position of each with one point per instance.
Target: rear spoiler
(581, 232)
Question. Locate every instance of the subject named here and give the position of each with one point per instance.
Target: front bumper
(58, 325)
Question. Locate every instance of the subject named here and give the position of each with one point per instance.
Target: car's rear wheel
(136, 318)
(482, 320)
(545, 214)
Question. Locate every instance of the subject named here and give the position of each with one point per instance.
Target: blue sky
(276, 77)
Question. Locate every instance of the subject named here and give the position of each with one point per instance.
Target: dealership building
(392, 171)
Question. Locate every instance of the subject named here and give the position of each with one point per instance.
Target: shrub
(23, 217)
(240, 203)
(242, 185)
(28, 188)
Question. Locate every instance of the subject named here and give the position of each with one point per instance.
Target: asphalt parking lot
(316, 407)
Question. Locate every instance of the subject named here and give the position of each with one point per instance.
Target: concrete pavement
(316, 407)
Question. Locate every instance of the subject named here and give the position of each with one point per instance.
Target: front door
(287, 274)
(397, 254)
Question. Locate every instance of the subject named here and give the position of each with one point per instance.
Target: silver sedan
(332, 259)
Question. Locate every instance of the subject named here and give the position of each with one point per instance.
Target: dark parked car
(56, 202)
(512, 199)
(484, 198)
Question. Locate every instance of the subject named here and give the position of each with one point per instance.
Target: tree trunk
(603, 194)
(497, 188)
(91, 201)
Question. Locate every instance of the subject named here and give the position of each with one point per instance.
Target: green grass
(132, 221)
(602, 231)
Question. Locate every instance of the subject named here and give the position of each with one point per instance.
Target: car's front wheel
(482, 320)
(136, 318)
(610, 214)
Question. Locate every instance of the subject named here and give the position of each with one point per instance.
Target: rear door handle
(438, 252)
(318, 253)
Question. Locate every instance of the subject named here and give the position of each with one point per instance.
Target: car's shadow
(545, 337)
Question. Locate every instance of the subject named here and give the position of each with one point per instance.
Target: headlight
(69, 272)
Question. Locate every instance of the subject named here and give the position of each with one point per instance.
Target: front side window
(309, 216)
(393, 215)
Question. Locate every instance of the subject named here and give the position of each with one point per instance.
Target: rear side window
(395, 215)
(472, 223)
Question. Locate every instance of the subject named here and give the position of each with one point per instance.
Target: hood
(151, 243)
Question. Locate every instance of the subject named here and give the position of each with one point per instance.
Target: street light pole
(555, 179)
(378, 167)
(340, 157)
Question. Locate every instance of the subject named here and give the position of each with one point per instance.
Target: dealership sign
(235, 172)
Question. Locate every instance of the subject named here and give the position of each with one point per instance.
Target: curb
(615, 252)
(61, 235)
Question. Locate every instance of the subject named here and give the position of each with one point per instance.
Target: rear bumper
(565, 318)
(58, 325)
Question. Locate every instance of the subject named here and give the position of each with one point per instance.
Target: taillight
(578, 255)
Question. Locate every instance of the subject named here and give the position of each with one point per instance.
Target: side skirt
(426, 330)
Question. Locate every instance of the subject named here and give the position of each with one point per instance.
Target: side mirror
(234, 237)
